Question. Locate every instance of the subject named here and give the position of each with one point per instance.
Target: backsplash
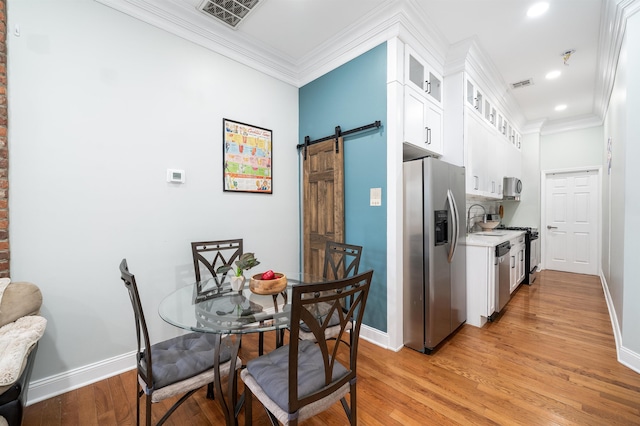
(475, 209)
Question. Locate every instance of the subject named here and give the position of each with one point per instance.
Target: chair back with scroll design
(210, 255)
(177, 366)
(316, 379)
(341, 260)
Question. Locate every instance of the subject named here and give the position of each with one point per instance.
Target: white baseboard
(629, 358)
(49, 387)
(46, 388)
(625, 356)
(374, 336)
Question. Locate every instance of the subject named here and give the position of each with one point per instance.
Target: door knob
(552, 227)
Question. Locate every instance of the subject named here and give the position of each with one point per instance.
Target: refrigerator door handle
(456, 224)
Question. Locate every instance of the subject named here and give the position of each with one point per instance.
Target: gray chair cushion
(333, 321)
(184, 356)
(271, 372)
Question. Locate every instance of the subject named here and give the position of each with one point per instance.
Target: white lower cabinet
(521, 267)
(513, 268)
(516, 262)
(481, 290)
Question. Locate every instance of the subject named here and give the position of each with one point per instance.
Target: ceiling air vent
(231, 12)
(523, 83)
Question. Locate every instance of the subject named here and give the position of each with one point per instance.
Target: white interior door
(571, 222)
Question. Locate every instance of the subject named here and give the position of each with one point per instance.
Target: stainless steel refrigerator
(434, 277)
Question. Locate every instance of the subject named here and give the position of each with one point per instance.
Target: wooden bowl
(274, 286)
(489, 225)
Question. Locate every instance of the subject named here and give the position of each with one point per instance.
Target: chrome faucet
(469, 226)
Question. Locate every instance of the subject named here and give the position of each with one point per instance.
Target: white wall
(526, 212)
(100, 105)
(576, 148)
(613, 185)
(621, 195)
(631, 313)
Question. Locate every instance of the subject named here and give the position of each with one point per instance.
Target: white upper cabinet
(489, 113)
(475, 98)
(422, 121)
(478, 154)
(423, 113)
(491, 144)
(485, 158)
(422, 77)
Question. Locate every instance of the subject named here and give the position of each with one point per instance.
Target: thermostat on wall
(175, 175)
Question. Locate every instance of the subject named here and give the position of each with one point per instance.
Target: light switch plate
(375, 196)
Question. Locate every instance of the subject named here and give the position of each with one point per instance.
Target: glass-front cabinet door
(475, 98)
(422, 77)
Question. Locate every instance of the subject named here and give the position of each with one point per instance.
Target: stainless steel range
(532, 251)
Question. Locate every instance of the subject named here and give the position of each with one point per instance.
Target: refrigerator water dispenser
(441, 227)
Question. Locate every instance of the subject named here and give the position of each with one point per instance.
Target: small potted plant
(237, 279)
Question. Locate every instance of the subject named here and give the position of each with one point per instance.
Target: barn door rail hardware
(338, 133)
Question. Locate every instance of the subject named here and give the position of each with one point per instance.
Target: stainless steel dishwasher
(503, 293)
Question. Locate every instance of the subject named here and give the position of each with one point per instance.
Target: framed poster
(246, 157)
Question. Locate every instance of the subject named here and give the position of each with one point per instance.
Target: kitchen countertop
(491, 238)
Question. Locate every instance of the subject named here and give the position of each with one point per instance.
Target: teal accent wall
(352, 96)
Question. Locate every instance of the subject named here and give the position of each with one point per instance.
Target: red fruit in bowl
(269, 275)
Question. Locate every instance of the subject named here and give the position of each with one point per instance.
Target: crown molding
(533, 127)
(545, 127)
(396, 19)
(612, 27)
(423, 35)
(401, 19)
(188, 23)
(404, 19)
(371, 30)
(469, 57)
(570, 124)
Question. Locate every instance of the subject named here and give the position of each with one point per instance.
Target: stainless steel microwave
(512, 187)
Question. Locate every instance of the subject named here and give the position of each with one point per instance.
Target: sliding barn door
(323, 201)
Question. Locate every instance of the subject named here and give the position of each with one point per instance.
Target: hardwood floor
(549, 359)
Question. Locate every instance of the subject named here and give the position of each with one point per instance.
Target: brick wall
(4, 157)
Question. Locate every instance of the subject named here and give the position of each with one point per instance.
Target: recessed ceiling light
(561, 107)
(553, 74)
(537, 9)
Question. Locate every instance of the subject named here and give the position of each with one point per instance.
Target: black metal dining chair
(303, 378)
(340, 261)
(211, 255)
(178, 366)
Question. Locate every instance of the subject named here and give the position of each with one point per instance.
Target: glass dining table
(208, 308)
